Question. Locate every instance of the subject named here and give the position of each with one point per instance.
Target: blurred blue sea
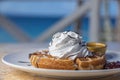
(34, 26)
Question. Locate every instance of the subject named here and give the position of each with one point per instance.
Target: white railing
(80, 11)
(14, 30)
(91, 6)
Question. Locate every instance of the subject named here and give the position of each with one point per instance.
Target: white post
(107, 27)
(78, 23)
(94, 21)
(117, 29)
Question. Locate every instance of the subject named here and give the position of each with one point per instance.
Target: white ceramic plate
(14, 59)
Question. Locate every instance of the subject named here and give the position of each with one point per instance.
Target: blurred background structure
(37, 20)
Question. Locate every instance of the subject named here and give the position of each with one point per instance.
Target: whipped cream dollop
(67, 44)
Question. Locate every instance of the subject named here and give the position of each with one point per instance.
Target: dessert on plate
(67, 51)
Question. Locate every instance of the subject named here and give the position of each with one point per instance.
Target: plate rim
(55, 70)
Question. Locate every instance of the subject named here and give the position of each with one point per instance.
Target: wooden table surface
(8, 73)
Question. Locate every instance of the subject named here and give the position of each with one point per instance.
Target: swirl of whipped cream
(66, 44)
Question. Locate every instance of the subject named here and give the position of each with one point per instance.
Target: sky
(45, 8)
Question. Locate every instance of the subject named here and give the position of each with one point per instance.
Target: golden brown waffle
(40, 60)
(44, 60)
(91, 63)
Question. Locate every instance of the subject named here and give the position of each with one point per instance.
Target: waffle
(44, 60)
(40, 60)
(91, 63)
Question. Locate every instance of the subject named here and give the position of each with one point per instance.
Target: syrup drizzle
(24, 62)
